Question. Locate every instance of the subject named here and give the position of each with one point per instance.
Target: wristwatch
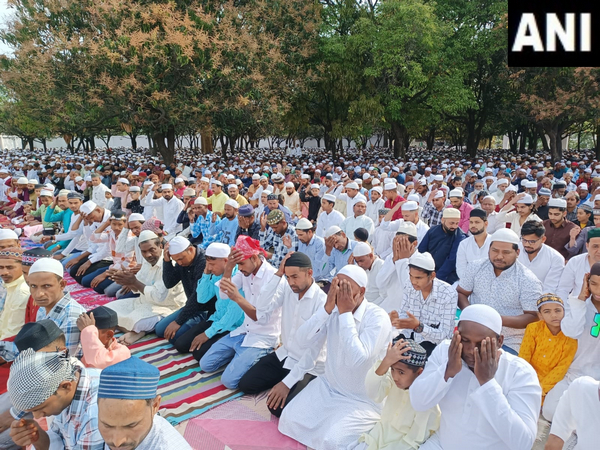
(418, 328)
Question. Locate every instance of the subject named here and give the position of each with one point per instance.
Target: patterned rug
(186, 391)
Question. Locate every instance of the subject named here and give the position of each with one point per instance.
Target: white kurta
(422, 227)
(548, 266)
(382, 242)
(156, 300)
(334, 409)
(469, 251)
(514, 219)
(373, 293)
(350, 202)
(391, 280)
(171, 210)
(351, 223)
(373, 210)
(500, 415)
(99, 196)
(328, 220)
(494, 224)
(571, 279)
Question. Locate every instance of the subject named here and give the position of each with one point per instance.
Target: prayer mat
(243, 424)
(186, 391)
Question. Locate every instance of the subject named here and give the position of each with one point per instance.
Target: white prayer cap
(217, 183)
(135, 173)
(355, 273)
(362, 249)
(148, 183)
(527, 199)
(304, 224)
(531, 185)
(408, 228)
(88, 207)
(123, 180)
(440, 194)
(451, 213)
(178, 244)
(423, 181)
(47, 265)
(512, 188)
(505, 235)
(422, 260)
(377, 189)
(206, 180)
(218, 250)
(78, 179)
(254, 177)
(502, 181)
(178, 180)
(558, 203)
(583, 186)
(524, 182)
(352, 185)
(6, 234)
(313, 186)
(334, 229)
(136, 217)
(483, 315)
(366, 176)
(438, 177)
(231, 202)
(22, 180)
(166, 186)
(305, 176)
(231, 186)
(455, 193)
(201, 201)
(389, 187)
(329, 198)
(489, 197)
(45, 193)
(289, 184)
(361, 199)
(147, 235)
(375, 182)
(413, 198)
(410, 206)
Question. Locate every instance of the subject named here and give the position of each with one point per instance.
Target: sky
(4, 14)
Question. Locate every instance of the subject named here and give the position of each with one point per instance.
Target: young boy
(100, 348)
(545, 346)
(400, 426)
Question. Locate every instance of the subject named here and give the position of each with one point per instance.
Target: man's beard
(478, 232)
(503, 268)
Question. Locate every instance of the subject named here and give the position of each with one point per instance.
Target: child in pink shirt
(100, 348)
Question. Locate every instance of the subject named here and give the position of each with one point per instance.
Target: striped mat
(186, 391)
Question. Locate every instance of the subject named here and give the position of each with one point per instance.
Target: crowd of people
(428, 302)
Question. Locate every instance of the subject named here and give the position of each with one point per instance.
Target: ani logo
(595, 331)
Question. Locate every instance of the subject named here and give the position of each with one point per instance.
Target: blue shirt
(202, 227)
(62, 216)
(228, 228)
(338, 259)
(315, 250)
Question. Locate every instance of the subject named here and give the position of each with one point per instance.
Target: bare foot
(131, 337)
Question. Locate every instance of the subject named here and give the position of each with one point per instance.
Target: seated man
(52, 384)
(429, 307)
(252, 340)
(14, 305)
(335, 409)
(581, 322)
(128, 405)
(291, 367)
(47, 287)
(364, 257)
(338, 248)
(8, 239)
(489, 399)
(279, 239)
(228, 315)
(100, 348)
(139, 315)
(578, 413)
(502, 282)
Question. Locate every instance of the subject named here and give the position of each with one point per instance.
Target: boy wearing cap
(410, 213)
(545, 346)
(489, 399)
(312, 197)
(475, 246)
(390, 379)
(46, 199)
(358, 219)
(128, 404)
(133, 204)
(329, 217)
(558, 228)
(100, 348)
(522, 213)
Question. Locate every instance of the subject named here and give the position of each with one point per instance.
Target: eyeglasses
(530, 242)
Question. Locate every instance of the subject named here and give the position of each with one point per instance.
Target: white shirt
(99, 250)
(514, 218)
(494, 224)
(328, 220)
(171, 210)
(373, 209)
(351, 223)
(350, 202)
(394, 225)
(99, 196)
(262, 333)
(548, 266)
(579, 412)
(391, 280)
(571, 279)
(578, 323)
(372, 293)
(469, 252)
(294, 313)
(500, 415)
(381, 240)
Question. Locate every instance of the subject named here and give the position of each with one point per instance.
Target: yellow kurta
(293, 203)
(218, 201)
(549, 355)
(12, 317)
(241, 200)
(400, 426)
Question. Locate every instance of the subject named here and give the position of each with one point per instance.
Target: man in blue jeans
(188, 269)
(255, 338)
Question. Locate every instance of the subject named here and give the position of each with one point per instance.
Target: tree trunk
(92, 143)
(23, 143)
(555, 144)
(399, 134)
(133, 138)
(206, 142)
(171, 143)
(159, 140)
(44, 144)
(430, 138)
(386, 143)
(513, 137)
(30, 143)
(523, 141)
